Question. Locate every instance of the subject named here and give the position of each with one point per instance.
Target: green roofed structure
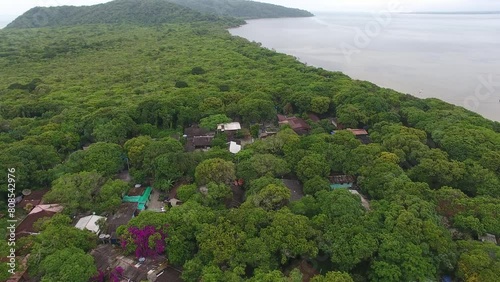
(138, 195)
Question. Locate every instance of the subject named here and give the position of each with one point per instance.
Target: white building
(89, 223)
(232, 126)
(234, 147)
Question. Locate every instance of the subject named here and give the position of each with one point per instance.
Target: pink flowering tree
(148, 241)
(114, 276)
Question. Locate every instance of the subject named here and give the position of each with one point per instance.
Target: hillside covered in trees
(242, 9)
(148, 12)
(81, 104)
(145, 12)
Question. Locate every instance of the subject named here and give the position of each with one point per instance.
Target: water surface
(452, 57)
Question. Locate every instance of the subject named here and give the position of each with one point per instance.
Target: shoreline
(385, 75)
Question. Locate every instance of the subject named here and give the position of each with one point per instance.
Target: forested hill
(145, 12)
(242, 9)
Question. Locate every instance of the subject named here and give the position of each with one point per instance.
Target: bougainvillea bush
(114, 276)
(144, 242)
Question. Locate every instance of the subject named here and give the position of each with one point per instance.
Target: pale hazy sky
(17, 7)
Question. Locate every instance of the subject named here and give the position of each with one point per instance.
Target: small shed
(361, 135)
(89, 223)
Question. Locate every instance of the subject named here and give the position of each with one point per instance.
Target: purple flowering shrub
(148, 241)
(114, 275)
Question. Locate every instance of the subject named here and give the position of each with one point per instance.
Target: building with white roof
(232, 126)
(89, 223)
(234, 147)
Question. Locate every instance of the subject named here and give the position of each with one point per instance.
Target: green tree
(215, 170)
(271, 197)
(212, 121)
(316, 184)
(290, 236)
(320, 105)
(333, 276)
(260, 165)
(70, 264)
(310, 166)
(76, 191)
(478, 261)
(105, 158)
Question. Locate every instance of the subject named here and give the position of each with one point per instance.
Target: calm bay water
(452, 57)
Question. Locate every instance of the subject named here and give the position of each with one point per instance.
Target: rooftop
(122, 216)
(89, 223)
(194, 131)
(34, 198)
(26, 227)
(358, 132)
(141, 199)
(234, 147)
(107, 257)
(342, 179)
(297, 124)
(136, 191)
(202, 141)
(232, 126)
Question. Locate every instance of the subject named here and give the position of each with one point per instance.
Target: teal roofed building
(139, 195)
(342, 182)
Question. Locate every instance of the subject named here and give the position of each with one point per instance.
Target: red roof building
(33, 199)
(27, 225)
(297, 124)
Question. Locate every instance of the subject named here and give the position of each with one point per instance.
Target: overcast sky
(17, 7)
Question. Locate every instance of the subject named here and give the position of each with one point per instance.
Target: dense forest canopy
(81, 103)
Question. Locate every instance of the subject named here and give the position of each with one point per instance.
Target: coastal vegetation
(81, 103)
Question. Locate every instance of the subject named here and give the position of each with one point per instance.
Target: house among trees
(234, 147)
(361, 135)
(298, 125)
(110, 260)
(40, 211)
(32, 199)
(231, 127)
(140, 195)
(90, 223)
(122, 216)
(197, 138)
(342, 181)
